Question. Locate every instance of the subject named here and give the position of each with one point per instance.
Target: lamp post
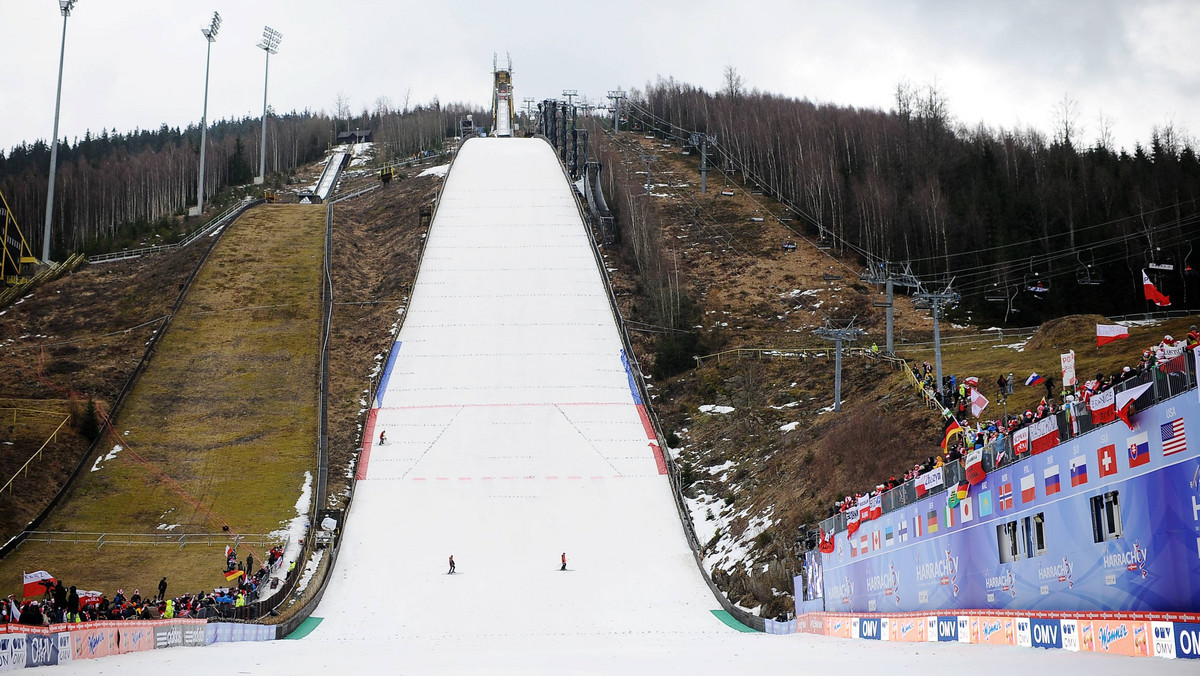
(210, 34)
(269, 44)
(64, 6)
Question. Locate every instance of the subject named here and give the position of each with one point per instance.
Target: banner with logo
(1043, 434)
(1020, 441)
(1068, 369)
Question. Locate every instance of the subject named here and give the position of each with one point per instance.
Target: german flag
(953, 429)
(232, 575)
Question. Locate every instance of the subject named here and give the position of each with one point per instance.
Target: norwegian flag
(1006, 496)
(1173, 439)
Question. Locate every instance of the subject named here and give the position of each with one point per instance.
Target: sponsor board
(837, 626)
(94, 641)
(868, 628)
(964, 629)
(931, 631)
(1070, 635)
(8, 657)
(885, 628)
(997, 631)
(136, 637)
(1187, 640)
(907, 629)
(1119, 637)
(41, 650)
(1045, 633)
(1024, 635)
(1162, 637)
(947, 628)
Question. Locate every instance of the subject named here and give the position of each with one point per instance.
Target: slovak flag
(1079, 470)
(1107, 333)
(1139, 449)
(1051, 477)
(1153, 294)
(1028, 489)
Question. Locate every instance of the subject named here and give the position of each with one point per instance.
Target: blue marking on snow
(637, 398)
(387, 373)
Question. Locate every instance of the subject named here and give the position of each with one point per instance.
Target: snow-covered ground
(512, 438)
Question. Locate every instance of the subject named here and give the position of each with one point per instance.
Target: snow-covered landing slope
(512, 437)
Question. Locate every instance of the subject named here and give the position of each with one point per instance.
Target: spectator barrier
(23, 646)
(1166, 635)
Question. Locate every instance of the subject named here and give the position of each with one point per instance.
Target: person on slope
(564, 561)
(451, 565)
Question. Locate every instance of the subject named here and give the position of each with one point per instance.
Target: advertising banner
(41, 650)
(1187, 638)
(1045, 633)
(1120, 637)
(997, 631)
(98, 639)
(907, 629)
(136, 636)
(12, 651)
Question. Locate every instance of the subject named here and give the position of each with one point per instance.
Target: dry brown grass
(220, 428)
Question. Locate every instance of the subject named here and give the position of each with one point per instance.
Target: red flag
(852, 523)
(1107, 333)
(975, 472)
(1044, 434)
(1103, 407)
(37, 583)
(1125, 401)
(1153, 294)
(826, 546)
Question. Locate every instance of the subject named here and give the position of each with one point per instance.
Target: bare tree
(1104, 138)
(734, 85)
(1066, 121)
(341, 107)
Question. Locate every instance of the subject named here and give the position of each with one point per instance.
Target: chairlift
(1087, 274)
(996, 294)
(1187, 267)
(824, 239)
(1037, 283)
(728, 192)
(1156, 259)
(789, 246)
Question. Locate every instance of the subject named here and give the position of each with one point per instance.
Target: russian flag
(1034, 379)
(1051, 476)
(1028, 489)
(1107, 333)
(1079, 470)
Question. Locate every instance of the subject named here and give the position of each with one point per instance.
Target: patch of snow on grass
(96, 467)
(713, 408)
(293, 530)
(789, 427)
(440, 171)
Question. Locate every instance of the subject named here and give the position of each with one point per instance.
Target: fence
(48, 273)
(24, 469)
(1072, 422)
(223, 218)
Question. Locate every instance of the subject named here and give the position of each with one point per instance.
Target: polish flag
(1107, 333)
(37, 583)
(1153, 294)
(1103, 407)
(1125, 401)
(1028, 489)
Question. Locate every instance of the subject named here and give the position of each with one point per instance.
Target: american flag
(1173, 439)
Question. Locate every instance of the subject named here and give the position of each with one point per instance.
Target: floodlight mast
(270, 45)
(210, 34)
(64, 6)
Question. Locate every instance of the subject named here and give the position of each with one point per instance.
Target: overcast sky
(138, 63)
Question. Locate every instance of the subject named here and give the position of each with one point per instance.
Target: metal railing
(24, 469)
(221, 219)
(180, 540)
(1072, 422)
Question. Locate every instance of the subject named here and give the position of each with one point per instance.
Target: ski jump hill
(514, 434)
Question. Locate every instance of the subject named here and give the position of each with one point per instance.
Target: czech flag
(37, 584)
(951, 430)
(1034, 379)
(1107, 333)
(1153, 294)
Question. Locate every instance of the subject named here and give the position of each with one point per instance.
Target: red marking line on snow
(509, 405)
(368, 439)
(659, 460)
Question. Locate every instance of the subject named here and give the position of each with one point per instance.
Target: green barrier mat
(722, 615)
(306, 627)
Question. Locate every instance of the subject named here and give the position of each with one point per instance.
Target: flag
(1139, 450)
(978, 403)
(917, 526)
(1173, 440)
(1107, 333)
(233, 575)
(929, 481)
(1005, 496)
(949, 520)
(876, 506)
(864, 545)
(1174, 364)
(985, 503)
(1028, 489)
(1044, 434)
(975, 472)
(1106, 456)
(1078, 470)
(919, 484)
(931, 521)
(1020, 441)
(826, 546)
(1103, 407)
(952, 429)
(889, 537)
(1034, 379)
(876, 540)
(864, 509)
(1051, 480)
(902, 531)
(852, 522)
(1068, 368)
(967, 509)
(1153, 294)
(1125, 401)
(228, 551)
(37, 583)
(853, 546)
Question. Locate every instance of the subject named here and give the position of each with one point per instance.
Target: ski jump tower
(502, 102)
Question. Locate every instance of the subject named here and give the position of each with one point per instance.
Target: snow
(521, 442)
(111, 454)
(713, 408)
(440, 171)
(789, 427)
(294, 529)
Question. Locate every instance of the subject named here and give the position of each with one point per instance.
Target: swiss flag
(1107, 455)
